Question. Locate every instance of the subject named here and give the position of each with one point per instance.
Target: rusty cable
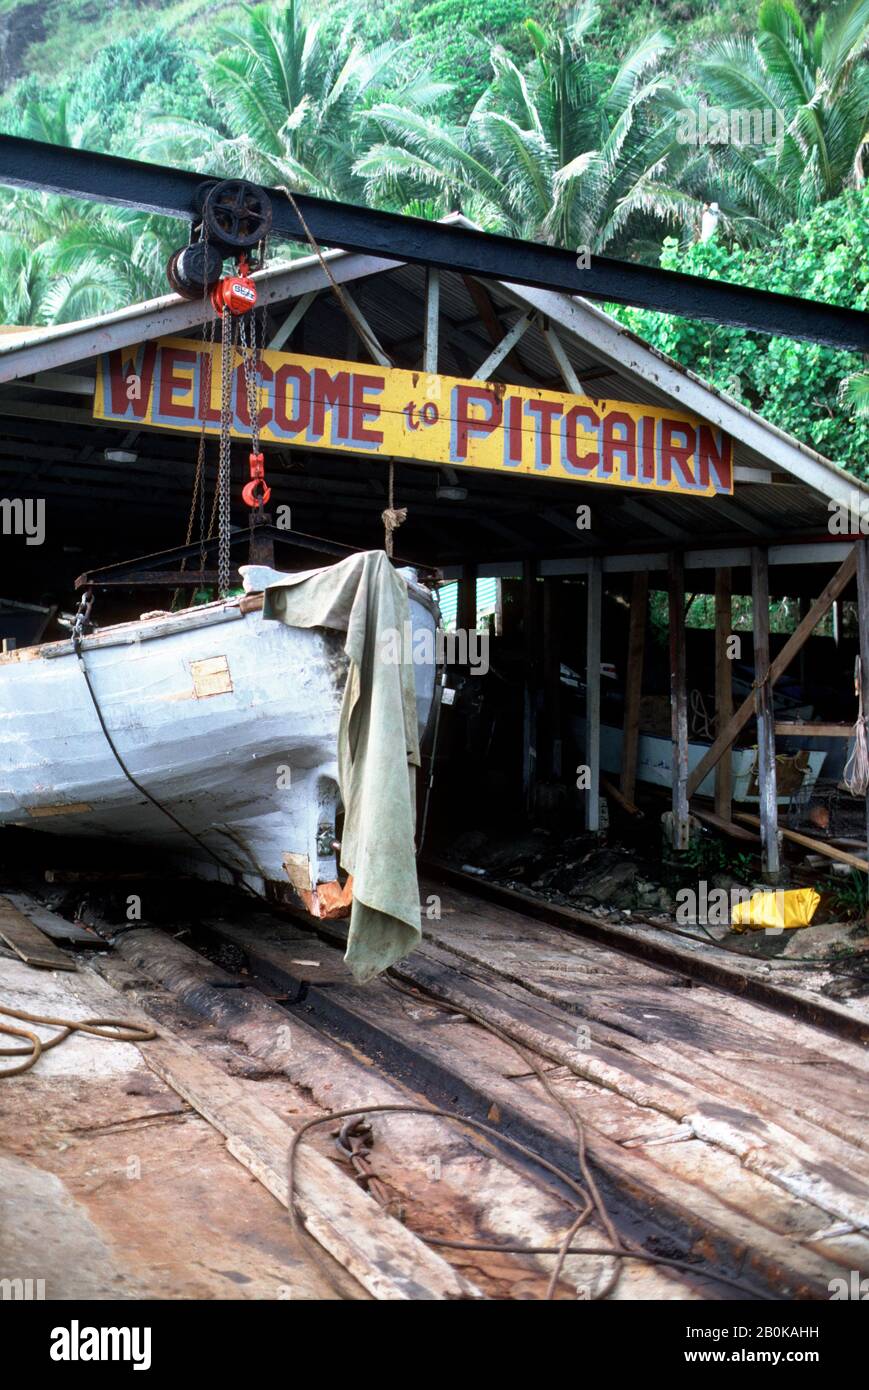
(135, 1033)
(300, 1228)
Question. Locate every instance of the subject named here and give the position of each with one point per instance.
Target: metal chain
(252, 375)
(224, 472)
(82, 616)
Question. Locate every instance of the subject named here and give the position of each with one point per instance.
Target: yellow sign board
(354, 408)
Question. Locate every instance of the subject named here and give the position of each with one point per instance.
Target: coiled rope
(856, 773)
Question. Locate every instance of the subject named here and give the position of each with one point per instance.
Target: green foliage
(152, 68)
(794, 385)
(849, 897)
(548, 122)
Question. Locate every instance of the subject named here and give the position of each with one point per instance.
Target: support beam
(449, 245)
(432, 321)
(509, 340)
(600, 335)
(592, 694)
(723, 686)
(862, 548)
(529, 722)
(763, 708)
(562, 361)
(367, 336)
(294, 317)
(841, 579)
(678, 701)
(634, 683)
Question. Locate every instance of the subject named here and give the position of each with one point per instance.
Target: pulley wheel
(237, 214)
(195, 270)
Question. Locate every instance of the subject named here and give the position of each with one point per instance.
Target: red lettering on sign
(292, 424)
(265, 374)
(575, 461)
(647, 450)
(208, 375)
(672, 452)
(624, 444)
(547, 413)
(120, 367)
(331, 392)
(720, 460)
(514, 429)
(365, 410)
(170, 382)
(466, 426)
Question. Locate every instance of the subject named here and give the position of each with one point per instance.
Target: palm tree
(817, 84)
(285, 97)
(62, 259)
(557, 153)
(854, 392)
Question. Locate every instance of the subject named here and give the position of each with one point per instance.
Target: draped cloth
(378, 741)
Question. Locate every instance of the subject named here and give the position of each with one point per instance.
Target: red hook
(257, 483)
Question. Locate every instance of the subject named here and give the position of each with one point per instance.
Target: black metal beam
(153, 188)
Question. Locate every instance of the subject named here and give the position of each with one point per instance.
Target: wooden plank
(58, 928)
(513, 1206)
(678, 700)
(386, 1259)
(723, 686)
(766, 771)
(592, 693)
(841, 579)
(634, 683)
(29, 943)
(862, 548)
(647, 1179)
(803, 730)
(726, 827)
(818, 846)
(615, 795)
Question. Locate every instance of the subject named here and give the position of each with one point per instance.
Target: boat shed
(580, 465)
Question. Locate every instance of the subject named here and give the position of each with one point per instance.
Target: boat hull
(230, 722)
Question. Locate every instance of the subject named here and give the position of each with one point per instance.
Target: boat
(226, 720)
(655, 765)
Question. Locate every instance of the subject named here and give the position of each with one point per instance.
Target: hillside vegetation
(572, 124)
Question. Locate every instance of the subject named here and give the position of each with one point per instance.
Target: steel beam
(442, 245)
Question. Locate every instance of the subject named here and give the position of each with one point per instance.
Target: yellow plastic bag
(794, 907)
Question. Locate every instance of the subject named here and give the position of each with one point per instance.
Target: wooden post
(552, 673)
(678, 701)
(763, 705)
(634, 683)
(863, 623)
(724, 738)
(432, 312)
(723, 686)
(466, 604)
(592, 693)
(529, 723)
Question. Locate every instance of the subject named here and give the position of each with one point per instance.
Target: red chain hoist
(237, 295)
(234, 218)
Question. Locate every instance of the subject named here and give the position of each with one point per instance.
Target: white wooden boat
(655, 764)
(229, 721)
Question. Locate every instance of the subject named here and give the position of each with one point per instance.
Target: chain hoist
(234, 218)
